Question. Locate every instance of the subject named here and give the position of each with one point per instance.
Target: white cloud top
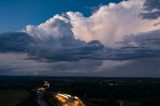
(109, 24)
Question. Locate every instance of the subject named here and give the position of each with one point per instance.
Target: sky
(16, 14)
(93, 38)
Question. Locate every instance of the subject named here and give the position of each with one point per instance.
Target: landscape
(95, 91)
(79, 52)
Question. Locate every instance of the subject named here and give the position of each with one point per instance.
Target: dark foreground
(20, 91)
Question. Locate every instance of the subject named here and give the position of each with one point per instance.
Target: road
(40, 100)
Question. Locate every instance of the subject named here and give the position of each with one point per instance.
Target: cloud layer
(152, 8)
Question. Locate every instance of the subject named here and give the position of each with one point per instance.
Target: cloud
(116, 35)
(71, 36)
(15, 41)
(15, 64)
(109, 24)
(152, 8)
(144, 67)
(56, 27)
(53, 49)
(138, 46)
(113, 32)
(70, 49)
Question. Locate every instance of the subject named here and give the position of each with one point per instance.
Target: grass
(13, 97)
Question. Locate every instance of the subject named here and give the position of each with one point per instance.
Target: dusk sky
(100, 38)
(16, 14)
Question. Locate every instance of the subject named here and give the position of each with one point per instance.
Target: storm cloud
(109, 24)
(115, 36)
(70, 49)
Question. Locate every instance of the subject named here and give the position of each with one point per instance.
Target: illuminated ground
(68, 100)
(62, 99)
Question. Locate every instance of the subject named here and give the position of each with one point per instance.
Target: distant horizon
(79, 76)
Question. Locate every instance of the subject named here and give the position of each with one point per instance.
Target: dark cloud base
(70, 49)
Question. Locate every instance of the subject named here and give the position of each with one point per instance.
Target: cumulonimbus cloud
(109, 24)
(115, 37)
(71, 36)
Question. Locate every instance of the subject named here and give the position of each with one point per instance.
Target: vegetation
(12, 97)
(92, 91)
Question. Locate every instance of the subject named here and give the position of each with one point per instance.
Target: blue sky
(16, 14)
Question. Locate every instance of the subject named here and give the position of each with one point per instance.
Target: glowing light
(68, 100)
